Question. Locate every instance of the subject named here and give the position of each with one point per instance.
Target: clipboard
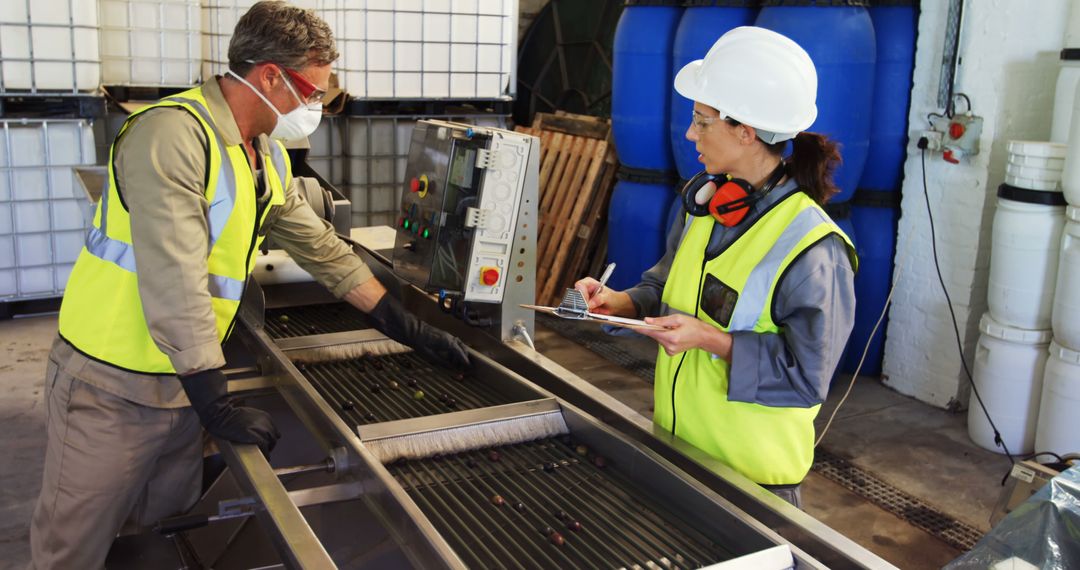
(573, 307)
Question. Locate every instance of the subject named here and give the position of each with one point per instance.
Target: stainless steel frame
(733, 508)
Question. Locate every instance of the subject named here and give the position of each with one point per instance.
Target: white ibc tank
(1066, 313)
(49, 46)
(1024, 257)
(1058, 430)
(1063, 95)
(219, 18)
(150, 42)
(1009, 366)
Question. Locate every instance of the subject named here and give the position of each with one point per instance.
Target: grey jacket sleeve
(160, 167)
(646, 295)
(313, 244)
(815, 309)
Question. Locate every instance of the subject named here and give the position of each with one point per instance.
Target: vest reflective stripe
(102, 312)
(757, 291)
(225, 193)
(771, 445)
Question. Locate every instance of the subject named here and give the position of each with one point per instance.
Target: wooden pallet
(577, 172)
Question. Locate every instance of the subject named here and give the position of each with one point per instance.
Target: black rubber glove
(209, 395)
(396, 322)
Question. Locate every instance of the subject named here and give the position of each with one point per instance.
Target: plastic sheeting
(1043, 532)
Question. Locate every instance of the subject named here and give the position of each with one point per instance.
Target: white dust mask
(296, 124)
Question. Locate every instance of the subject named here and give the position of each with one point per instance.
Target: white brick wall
(1009, 51)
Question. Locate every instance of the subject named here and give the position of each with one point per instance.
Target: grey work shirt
(160, 165)
(814, 303)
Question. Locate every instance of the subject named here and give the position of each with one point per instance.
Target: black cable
(956, 328)
(966, 100)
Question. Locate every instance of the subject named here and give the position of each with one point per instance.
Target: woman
(755, 290)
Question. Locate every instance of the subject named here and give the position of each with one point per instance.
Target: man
(194, 186)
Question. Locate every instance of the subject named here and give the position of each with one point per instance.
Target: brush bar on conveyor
(384, 388)
(498, 507)
(303, 320)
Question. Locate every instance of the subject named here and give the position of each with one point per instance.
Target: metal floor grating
(897, 502)
(550, 504)
(607, 346)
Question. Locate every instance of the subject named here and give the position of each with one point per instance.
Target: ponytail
(813, 160)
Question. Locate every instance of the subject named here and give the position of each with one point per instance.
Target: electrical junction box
(959, 136)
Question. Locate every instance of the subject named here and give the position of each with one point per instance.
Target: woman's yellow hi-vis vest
(102, 314)
(769, 445)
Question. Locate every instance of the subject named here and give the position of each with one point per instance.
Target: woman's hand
(684, 332)
(606, 301)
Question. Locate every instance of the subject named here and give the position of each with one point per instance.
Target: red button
(414, 185)
(950, 157)
(489, 276)
(956, 130)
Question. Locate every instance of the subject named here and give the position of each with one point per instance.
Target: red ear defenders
(726, 199)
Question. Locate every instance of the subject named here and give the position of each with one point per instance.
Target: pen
(603, 278)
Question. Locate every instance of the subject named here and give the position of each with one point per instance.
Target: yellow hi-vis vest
(101, 314)
(769, 445)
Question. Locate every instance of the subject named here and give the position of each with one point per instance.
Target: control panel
(463, 207)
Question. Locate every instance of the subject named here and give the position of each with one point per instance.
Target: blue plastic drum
(698, 30)
(641, 84)
(875, 227)
(895, 26)
(637, 228)
(840, 39)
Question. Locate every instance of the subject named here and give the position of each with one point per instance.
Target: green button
(427, 233)
(405, 224)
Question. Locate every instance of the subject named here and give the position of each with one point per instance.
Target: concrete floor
(922, 450)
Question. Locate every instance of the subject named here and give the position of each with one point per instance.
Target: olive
(347, 405)
(418, 395)
(283, 318)
(599, 462)
(312, 329)
(556, 539)
(412, 383)
(375, 388)
(460, 376)
(452, 402)
(369, 417)
(284, 327)
(549, 467)
(393, 385)
(444, 397)
(582, 450)
(300, 365)
(574, 526)
(520, 507)
(493, 455)
(497, 500)
(547, 531)
(561, 515)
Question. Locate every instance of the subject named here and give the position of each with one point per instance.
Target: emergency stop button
(489, 275)
(419, 185)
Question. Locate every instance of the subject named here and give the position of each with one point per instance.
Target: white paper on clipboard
(604, 319)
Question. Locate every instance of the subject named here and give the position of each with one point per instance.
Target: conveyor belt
(499, 507)
(383, 388)
(303, 320)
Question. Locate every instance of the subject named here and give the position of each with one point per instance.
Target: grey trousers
(792, 495)
(110, 464)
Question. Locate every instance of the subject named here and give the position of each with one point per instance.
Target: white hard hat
(757, 77)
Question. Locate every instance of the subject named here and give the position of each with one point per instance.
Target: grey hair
(278, 32)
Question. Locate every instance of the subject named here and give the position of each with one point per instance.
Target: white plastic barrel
(1026, 243)
(1066, 311)
(150, 42)
(49, 46)
(1058, 428)
(1009, 367)
(1063, 95)
(1070, 176)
